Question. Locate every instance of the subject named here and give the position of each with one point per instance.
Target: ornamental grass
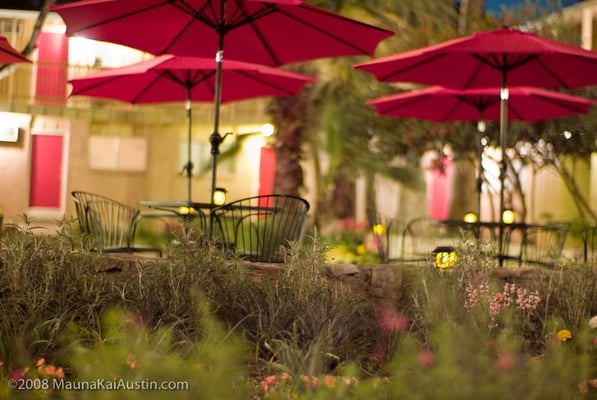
(199, 323)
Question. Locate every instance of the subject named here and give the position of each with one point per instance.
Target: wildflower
(40, 361)
(583, 388)
(361, 249)
(504, 361)
(379, 229)
(329, 381)
(17, 373)
(268, 382)
(312, 381)
(564, 335)
(50, 370)
(593, 322)
(425, 358)
(131, 362)
(391, 321)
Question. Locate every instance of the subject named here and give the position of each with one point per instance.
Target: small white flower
(593, 322)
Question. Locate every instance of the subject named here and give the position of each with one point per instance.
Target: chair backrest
(424, 234)
(260, 228)
(108, 224)
(543, 244)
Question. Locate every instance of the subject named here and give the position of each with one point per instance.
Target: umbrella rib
(81, 92)
(254, 78)
(574, 107)
(146, 88)
(318, 28)
(562, 83)
(389, 76)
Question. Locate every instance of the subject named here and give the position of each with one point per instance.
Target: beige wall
(161, 180)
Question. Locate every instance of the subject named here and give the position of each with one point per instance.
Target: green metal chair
(107, 225)
(260, 228)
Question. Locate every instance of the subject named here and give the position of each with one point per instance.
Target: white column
(586, 40)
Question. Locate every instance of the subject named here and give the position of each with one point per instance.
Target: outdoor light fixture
(508, 217)
(184, 210)
(481, 126)
(219, 196)
(267, 130)
(445, 257)
(470, 218)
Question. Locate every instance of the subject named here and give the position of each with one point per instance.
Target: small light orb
(470, 218)
(508, 217)
(267, 130)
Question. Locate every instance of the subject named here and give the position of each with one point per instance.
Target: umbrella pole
(215, 138)
(189, 166)
(480, 131)
(503, 166)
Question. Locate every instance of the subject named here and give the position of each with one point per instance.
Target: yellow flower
(379, 229)
(361, 249)
(564, 335)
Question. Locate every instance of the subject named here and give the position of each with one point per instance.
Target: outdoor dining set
(259, 228)
(264, 228)
(548, 244)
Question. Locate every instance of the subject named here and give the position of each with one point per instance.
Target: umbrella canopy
(437, 103)
(8, 54)
(271, 32)
(169, 78)
(441, 104)
(502, 57)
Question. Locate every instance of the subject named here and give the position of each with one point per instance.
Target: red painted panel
(46, 171)
(439, 190)
(51, 82)
(267, 170)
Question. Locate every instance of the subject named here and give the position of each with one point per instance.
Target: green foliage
(289, 331)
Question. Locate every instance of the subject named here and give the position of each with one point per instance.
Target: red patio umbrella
(271, 32)
(169, 78)
(8, 54)
(503, 57)
(440, 104)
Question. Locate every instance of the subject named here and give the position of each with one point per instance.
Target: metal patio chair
(540, 244)
(261, 228)
(422, 235)
(107, 225)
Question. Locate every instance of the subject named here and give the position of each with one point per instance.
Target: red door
(47, 157)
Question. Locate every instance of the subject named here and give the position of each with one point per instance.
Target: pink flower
(504, 361)
(425, 358)
(391, 321)
(17, 373)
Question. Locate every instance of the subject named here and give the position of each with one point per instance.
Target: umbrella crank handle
(216, 139)
(187, 169)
